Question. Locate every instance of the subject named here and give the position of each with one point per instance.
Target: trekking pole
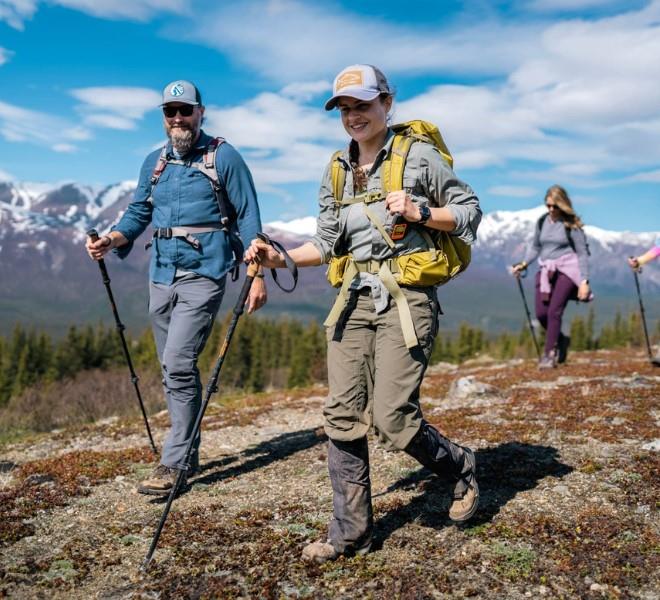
(211, 388)
(529, 317)
(94, 236)
(654, 361)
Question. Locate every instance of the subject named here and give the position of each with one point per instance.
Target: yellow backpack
(447, 255)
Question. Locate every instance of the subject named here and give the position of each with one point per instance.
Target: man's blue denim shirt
(184, 196)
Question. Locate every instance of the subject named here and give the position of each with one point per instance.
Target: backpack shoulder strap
(395, 163)
(208, 167)
(161, 163)
(338, 177)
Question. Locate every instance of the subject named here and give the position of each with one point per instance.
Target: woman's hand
(516, 270)
(583, 291)
(400, 202)
(264, 254)
(634, 263)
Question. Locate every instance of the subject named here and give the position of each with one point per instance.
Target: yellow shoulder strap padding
(395, 163)
(338, 176)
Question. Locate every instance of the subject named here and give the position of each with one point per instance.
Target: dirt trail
(568, 467)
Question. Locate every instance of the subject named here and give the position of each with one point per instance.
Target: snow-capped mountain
(48, 280)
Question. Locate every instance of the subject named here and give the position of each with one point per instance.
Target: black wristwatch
(425, 214)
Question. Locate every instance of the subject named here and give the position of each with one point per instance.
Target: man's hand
(258, 296)
(98, 249)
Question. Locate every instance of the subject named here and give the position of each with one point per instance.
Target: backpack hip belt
(384, 269)
(166, 233)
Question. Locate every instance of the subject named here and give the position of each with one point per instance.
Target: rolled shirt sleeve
(327, 224)
(445, 189)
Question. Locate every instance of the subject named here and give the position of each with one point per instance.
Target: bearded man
(199, 197)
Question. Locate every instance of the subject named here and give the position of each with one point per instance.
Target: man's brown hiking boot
(160, 481)
(466, 491)
(319, 552)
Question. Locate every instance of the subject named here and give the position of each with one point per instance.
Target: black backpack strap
(292, 266)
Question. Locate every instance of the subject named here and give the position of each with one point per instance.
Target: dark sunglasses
(551, 206)
(185, 110)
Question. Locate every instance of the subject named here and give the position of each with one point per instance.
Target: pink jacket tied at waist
(566, 264)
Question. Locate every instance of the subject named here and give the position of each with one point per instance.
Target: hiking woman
(561, 248)
(374, 369)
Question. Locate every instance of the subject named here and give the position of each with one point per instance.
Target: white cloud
(272, 121)
(5, 55)
(568, 5)
(646, 177)
(287, 40)
(5, 176)
(514, 191)
(115, 107)
(16, 12)
(306, 90)
(110, 121)
(64, 148)
(139, 10)
(24, 125)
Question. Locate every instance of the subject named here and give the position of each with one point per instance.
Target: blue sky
(527, 93)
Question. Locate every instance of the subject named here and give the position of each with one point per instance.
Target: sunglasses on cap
(185, 110)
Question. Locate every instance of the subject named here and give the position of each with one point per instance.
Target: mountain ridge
(43, 226)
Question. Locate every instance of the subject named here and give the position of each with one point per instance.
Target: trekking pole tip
(144, 567)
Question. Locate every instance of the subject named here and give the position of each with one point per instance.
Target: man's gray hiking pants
(182, 316)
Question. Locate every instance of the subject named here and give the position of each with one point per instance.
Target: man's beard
(182, 139)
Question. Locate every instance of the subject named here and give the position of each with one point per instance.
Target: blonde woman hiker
(561, 248)
(379, 333)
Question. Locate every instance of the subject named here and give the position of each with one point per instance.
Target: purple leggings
(550, 313)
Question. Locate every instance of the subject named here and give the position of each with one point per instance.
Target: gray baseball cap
(364, 82)
(181, 91)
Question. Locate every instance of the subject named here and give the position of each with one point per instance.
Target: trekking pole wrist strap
(288, 261)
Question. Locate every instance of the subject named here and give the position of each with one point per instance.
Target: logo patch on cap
(177, 90)
(349, 78)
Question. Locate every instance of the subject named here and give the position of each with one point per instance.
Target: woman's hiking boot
(444, 457)
(319, 552)
(563, 343)
(547, 361)
(466, 490)
(160, 481)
